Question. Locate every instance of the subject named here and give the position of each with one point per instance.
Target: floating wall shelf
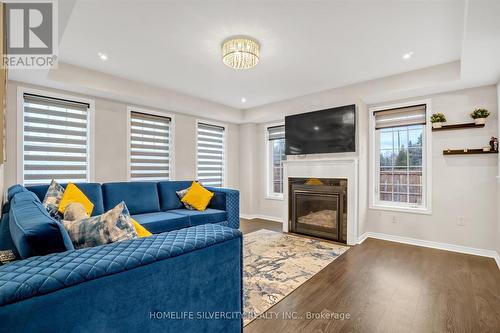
(468, 152)
(457, 126)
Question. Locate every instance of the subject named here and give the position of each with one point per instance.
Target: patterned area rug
(275, 264)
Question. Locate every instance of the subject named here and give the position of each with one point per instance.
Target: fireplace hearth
(318, 207)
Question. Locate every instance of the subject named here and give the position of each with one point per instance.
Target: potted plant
(479, 116)
(437, 120)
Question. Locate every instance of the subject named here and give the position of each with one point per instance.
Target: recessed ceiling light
(408, 55)
(316, 128)
(103, 56)
(243, 100)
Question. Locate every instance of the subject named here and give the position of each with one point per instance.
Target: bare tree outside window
(401, 164)
(278, 156)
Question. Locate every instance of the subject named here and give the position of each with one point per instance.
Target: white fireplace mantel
(343, 168)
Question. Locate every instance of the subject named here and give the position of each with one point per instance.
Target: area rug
(275, 264)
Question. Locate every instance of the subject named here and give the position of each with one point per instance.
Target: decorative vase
(480, 121)
(437, 125)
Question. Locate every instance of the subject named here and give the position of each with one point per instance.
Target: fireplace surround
(342, 168)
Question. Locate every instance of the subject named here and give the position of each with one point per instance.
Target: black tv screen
(326, 131)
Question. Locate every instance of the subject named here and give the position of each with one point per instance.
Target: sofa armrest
(228, 200)
(37, 276)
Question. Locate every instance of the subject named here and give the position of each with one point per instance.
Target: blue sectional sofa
(187, 277)
(156, 206)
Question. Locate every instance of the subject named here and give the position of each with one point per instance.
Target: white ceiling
(307, 46)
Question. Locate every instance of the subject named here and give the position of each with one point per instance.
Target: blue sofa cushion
(168, 198)
(196, 217)
(162, 221)
(32, 229)
(93, 191)
(140, 197)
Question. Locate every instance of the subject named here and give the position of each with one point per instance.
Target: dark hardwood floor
(248, 226)
(390, 287)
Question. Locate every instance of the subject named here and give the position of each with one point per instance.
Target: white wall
(111, 137)
(248, 172)
(463, 186)
(420, 82)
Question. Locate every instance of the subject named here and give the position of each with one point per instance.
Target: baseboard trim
(497, 259)
(363, 237)
(263, 217)
(433, 245)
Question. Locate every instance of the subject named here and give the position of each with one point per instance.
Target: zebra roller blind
(149, 147)
(210, 156)
(55, 140)
(412, 115)
(276, 132)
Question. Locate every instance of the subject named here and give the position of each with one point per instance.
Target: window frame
(171, 147)
(225, 151)
(21, 90)
(374, 203)
(270, 194)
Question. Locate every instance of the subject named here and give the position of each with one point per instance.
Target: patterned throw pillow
(181, 194)
(75, 211)
(112, 226)
(52, 199)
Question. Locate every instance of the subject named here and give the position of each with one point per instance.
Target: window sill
(422, 210)
(274, 197)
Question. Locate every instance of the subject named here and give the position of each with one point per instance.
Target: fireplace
(318, 207)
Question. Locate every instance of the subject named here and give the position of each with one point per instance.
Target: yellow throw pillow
(314, 181)
(73, 194)
(141, 231)
(198, 197)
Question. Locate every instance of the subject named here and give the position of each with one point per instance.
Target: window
(149, 147)
(276, 156)
(55, 140)
(400, 157)
(210, 155)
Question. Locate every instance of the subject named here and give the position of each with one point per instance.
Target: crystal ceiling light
(240, 53)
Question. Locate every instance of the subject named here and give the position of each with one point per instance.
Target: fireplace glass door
(318, 208)
(318, 211)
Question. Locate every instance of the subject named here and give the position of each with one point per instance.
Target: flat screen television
(325, 131)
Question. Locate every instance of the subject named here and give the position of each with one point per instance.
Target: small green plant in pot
(479, 116)
(437, 120)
